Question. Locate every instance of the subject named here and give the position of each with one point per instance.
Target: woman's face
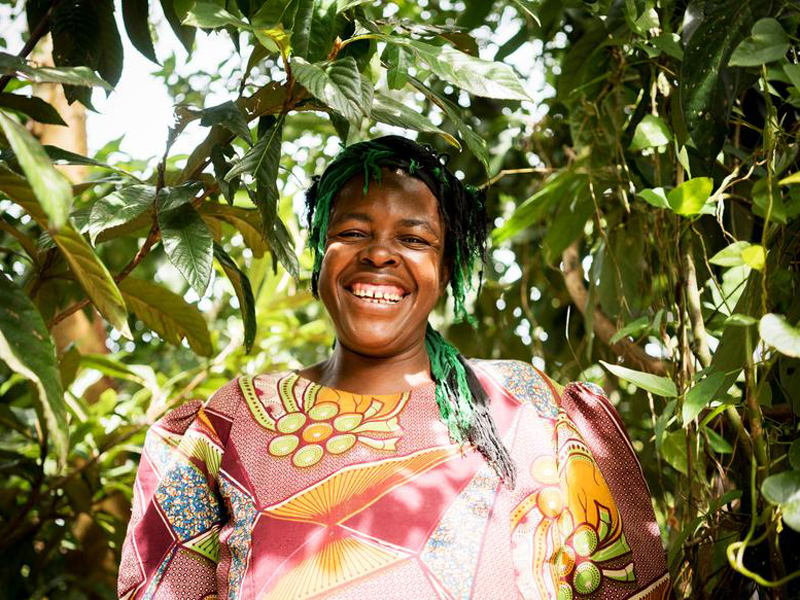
(383, 269)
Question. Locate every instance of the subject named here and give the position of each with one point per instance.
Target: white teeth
(379, 294)
(377, 297)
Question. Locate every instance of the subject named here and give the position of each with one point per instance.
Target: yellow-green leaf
(755, 256)
(688, 198)
(50, 187)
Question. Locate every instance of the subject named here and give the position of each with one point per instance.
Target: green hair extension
(455, 405)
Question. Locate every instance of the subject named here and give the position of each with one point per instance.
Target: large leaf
(782, 487)
(661, 386)
(337, 84)
(184, 33)
(50, 187)
(246, 221)
(705, 101)
(388, 110)
(776, 331)
(94, 277)
(211, 15)
(120, 207)
(82, 76)
(474, 142)
(567, 226)
(475, 75)
(26, 347)
(767, 43)
(77, 31)
(303, 19)
(690, 197)
(36, 108)
(111, 54)
(134, 15)
(187, 242)
(673, 449)
(244, 293)
(166, 313)
(263, 159)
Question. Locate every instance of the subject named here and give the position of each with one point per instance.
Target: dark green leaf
(398, 63)
(244, 293)
(134, 15)
(230, 116)
(704, 99)
(51, 188)
(322, 32)
(633, 329)
(166, 313)
(35, 11)
(338, 85)
(700, 395)
(221, 168)
(35, 108)
(673, 449)
(567, 225)
(187, 242)
(302, 27)
(661, 386)
(767, 43)
(111, 55)
(263, 159)
(245, 220)
(119, 207)
(279, 239)
(794, 454)
(655, 197)
(26, 347)
(184, 33)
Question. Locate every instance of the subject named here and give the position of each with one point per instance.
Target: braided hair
(462, 401)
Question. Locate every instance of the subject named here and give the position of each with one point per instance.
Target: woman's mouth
(377, 294)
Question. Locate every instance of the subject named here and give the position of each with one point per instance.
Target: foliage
(647, 239)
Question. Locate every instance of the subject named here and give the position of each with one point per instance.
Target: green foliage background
(647, 221)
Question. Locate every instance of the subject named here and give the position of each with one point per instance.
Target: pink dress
(279, 488)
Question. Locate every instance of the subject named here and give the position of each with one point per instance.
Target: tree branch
(603, 327)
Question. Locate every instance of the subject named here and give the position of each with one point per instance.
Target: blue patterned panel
(243, 513)
(593, 387)
(451, 552)
(525, 383)
(187, 501)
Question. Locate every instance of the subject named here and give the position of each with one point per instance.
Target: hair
(463, 403)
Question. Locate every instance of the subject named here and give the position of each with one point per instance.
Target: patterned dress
(279, 488)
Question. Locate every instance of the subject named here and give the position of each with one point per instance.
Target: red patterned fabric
(279, 488)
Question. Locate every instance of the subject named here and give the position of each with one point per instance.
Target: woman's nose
(378, 254)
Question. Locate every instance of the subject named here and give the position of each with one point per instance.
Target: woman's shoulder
(523, 382)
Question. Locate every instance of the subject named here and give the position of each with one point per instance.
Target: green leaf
(655, 197)
(475, 143)
(303, 19)
(668, 43)
(187, 241)
(794, 454)
(246, 221)
(211, 15)
(119, 207)
(338, 85)
(50, 187)
(704, 99)
(690, 197)
(633, 329)
(718, 443)
(768, 43)
(184, 33)
(221, 168)
(754, 256)
(94, 278)
(661, 386)
(396, 57)
(477, 76)
(244, 293)
(776, 331)
(388, 110)
(651, 132)
(794, 177)
(782, 487)
(790, 511)
(134, 15)
(230, 116)
(26, 347)
(700, 395)
(168, 314)
(81, 76)
(111, 56)
(33, 107)
(673, 449)
(793, 73)
(730, 256)
(567, 226)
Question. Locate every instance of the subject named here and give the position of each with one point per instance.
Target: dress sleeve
(172, 543)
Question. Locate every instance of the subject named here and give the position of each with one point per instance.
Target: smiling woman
(396, 468)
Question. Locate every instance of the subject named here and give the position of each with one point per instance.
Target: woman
(395, 468)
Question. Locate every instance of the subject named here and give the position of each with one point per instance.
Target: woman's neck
(363, 374)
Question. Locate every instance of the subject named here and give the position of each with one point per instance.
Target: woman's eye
(351, 234)
(414, 240)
